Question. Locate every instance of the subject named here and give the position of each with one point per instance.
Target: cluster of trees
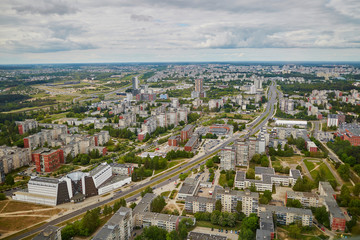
(229, 177)
(224, 219)
(84, 227)
(306, 88)
(344, 171)
(304, 184)
(154, 163)
(287, 152)
(248, 227)
(83, 159)
(192, 117)
(155, 233)
(347, 153)
(321, 215)
(300, 115)
(299, 142)
(117, 205)
(158, 204)
(266, 197)
(140, 174)
(178, 154)
(261, 159)
(293, 203)
(120, 133)
(146, 190)
(210, 136)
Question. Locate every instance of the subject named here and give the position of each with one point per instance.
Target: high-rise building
(135, 83)
(199, 85)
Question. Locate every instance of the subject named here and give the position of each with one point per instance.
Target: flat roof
(187, 127)
(205, 236)
(290, 122)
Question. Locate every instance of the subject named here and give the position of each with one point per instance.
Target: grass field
(315, 167)
(21, 206)
(291, 160)
(222, 180)
(310, 165)
(165, 194)
(8, 224)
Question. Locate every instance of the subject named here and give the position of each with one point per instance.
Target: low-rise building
(122, 169)
(189, 188)
(191, 144)
(186, 132)
(266, 230)
(204, 236)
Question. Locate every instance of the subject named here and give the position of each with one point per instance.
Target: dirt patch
(18, 223)
(49, 212)
(14, 206)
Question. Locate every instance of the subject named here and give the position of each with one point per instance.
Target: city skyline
(169, 31)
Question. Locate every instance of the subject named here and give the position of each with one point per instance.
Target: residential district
(180, 151)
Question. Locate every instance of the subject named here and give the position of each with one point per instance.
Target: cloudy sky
(60, 31)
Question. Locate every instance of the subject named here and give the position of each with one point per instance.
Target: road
(258, 123)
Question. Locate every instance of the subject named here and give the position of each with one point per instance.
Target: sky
(85, 31)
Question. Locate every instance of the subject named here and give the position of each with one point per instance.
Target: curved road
(272, 93)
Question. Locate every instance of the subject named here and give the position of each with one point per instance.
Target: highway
(254, 127)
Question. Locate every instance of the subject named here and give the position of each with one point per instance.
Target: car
(231, 231)
(235, 232)
(212, 229)
(134, 235)
(323, 229)
(219, 230)
(226, 231)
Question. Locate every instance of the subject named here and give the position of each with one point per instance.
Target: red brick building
(349, 132)
(186, 132)
(174, 140)
(47, 160)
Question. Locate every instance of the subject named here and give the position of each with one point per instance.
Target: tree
(107, 210)
(322, 216)
(238, 207)
(147, 190)
(218, 205)
(294, 231)
(250, 174)
(158, 204)
(248, 227)
(9, 180)
(293, 203)
(345, 196)
(120, 203)
(344, 171)
(132, 205)
(2, 196)
(209, 163)
(356, 189)
(152, 233)
(266, 197)
(303, 184)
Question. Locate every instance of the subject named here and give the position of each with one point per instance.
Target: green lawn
(222, 180)
(310, 165)
(210, 225)
(165, 194)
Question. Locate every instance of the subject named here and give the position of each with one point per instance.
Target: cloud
(45, 47)
(45, 7)
(141, 18)
(63, 31)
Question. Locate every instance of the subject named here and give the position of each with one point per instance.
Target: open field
(314, 167)
(14, 206)
(308, 235)
(291, 160)
(8, 224)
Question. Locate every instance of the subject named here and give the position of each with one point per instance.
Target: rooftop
(204, 236)
(144, 203)
(47, 233)
(187, 128)
(264, 170)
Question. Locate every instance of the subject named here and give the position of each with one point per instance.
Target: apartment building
(266, 230)
(47, 160)
(228, 158)
(141, 207)
(229, 199)
(337, 218)
(265, 179)
(119, 227)
(195, 204)
(192, 143)
(49, 233)
(164, 221)
(13, 157)
(289, 215)
(27, 125)
(307, 199)
(186, 132)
